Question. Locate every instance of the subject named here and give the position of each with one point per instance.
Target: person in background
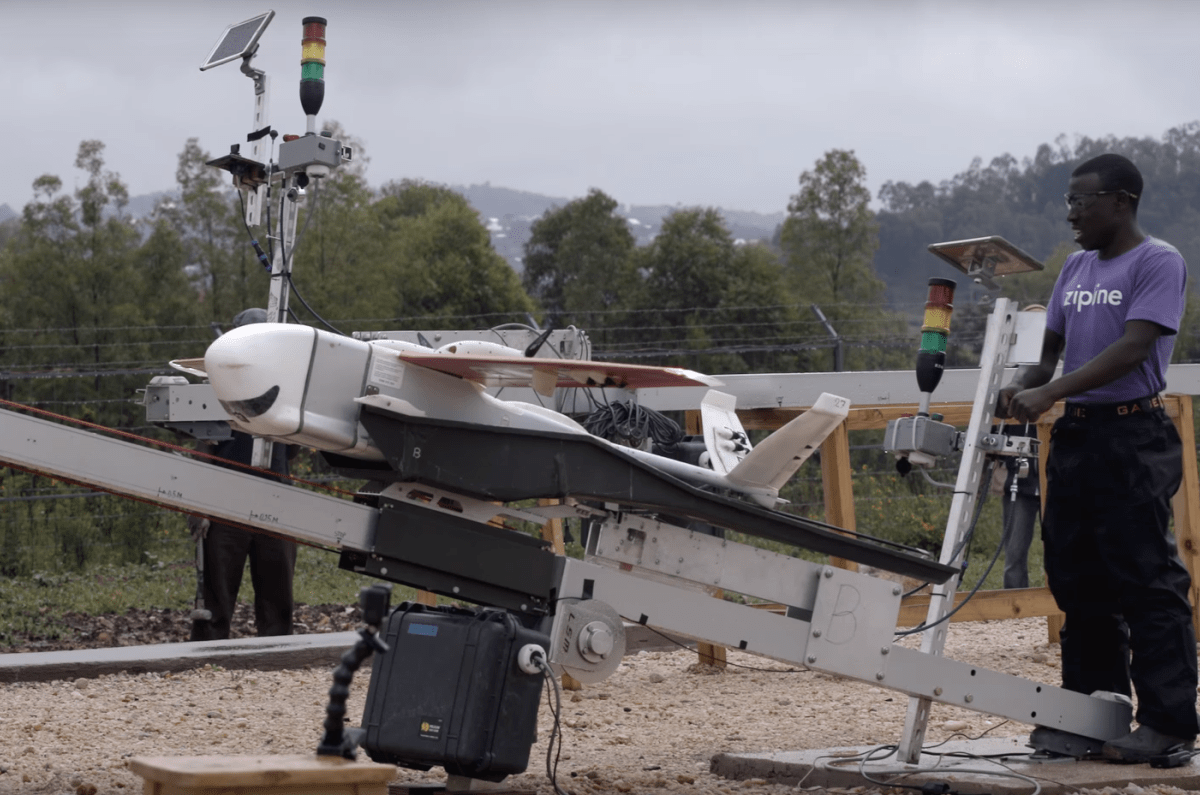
(224, 550)
(1021, 499)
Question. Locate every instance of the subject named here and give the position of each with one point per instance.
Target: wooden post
(1186, 503)
(836, 477)
(1054, 621)
(709, 653)
(552, 531)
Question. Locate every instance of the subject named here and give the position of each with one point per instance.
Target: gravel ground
(653, 726)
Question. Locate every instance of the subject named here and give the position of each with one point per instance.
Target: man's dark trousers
(272, 562)
(1113, 566)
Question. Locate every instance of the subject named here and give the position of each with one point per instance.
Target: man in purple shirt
(1115, 462)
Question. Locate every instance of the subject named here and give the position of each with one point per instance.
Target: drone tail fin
(724, 437)
(773, 462)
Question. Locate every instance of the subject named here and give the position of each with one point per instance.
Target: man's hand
(1029, 404)
(1004, 400)
(198, 527)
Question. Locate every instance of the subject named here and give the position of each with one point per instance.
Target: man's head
(248, 316)
(1102, 200)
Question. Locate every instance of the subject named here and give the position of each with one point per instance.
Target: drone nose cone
(258, 372)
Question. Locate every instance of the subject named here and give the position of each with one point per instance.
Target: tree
(338, 264)
(79, 287)
(208, 222)
(439, 263)
(709, 304)
(829, 240)
(578, 261)
(830, 234)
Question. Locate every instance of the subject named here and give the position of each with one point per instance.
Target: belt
(1096, 411)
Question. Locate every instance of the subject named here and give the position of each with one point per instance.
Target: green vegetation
(33, 605)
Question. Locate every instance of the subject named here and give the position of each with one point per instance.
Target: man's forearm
(1030, 376)
(1116, 361)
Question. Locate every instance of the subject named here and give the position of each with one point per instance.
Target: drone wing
(191, 366)
(545, 375)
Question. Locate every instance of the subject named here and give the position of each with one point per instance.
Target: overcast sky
(655, 102)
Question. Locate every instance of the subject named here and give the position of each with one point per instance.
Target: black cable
(627, 422)
(556, 731)
(995, 556)
(287, 272)
(980, 499)
(668, 638)
(311, 311)
(312, 210)
(262, 257)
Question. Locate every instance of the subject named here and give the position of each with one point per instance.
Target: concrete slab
(290, 651)
(262, 654)
(976, 769)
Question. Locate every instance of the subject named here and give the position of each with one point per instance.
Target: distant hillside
(1022, 201)
(508, 215)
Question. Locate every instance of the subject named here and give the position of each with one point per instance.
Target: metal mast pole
(996, 344)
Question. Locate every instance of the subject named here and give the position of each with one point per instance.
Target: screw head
(969, 698)
(816, 633)
(812, 658)
(937, 691)
(885, 650)
(879, 676)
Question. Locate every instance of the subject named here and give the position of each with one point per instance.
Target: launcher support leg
(997, 341)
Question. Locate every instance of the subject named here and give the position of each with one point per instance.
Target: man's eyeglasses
(1078, 201)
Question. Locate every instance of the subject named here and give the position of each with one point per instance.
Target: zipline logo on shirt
(1081, 298)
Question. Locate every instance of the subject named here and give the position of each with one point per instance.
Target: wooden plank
(984, 606)
(1054, 623)
(1186, 503)
(262, 774)
(838, 483)
(860, 417)
(709, 653)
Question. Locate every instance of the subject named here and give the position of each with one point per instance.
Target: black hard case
(449, 692)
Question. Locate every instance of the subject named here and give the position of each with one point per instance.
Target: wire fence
(95, 374)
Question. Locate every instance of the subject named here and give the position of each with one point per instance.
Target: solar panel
(237, 41)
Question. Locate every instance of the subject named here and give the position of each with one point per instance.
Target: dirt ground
(653, 726)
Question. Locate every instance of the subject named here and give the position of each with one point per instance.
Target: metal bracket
(853, 621)
(588, 640)
(1005, 445)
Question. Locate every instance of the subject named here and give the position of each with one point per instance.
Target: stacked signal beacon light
(312, 69)
(931, 358)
